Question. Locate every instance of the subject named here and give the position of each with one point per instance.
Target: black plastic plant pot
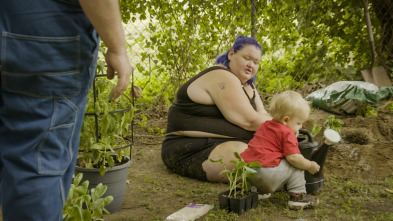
(237, 205)
(252, 202)
(223, 200)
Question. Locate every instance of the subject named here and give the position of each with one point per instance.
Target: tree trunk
(383, 10)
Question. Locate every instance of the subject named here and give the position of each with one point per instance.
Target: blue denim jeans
(48, 60)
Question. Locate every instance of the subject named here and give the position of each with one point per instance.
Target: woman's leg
(190, 156)
(224, 151)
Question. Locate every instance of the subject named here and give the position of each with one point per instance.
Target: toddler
(275, 147)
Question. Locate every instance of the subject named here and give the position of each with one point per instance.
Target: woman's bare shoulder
(206, 87)
(221, 75)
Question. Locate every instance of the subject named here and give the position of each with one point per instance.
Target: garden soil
(364, 155)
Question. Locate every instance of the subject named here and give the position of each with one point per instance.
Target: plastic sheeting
(345, 97)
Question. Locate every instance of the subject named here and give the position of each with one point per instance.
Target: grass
(157, 193)
(340, 200)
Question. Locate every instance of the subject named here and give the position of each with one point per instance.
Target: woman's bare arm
(224, 89)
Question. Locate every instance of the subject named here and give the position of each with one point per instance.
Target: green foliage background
(304, 41)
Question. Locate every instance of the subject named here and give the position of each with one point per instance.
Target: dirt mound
(365, 152)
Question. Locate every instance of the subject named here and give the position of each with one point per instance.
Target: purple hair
(240, 42)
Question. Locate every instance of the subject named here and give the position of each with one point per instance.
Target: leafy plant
(237, 177)
(83, 204)
(315, 129)
(301, 45)
(334, 123)
(105, 127)
(367, 110)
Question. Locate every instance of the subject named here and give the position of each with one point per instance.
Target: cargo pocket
(44, 67)
(55, 151)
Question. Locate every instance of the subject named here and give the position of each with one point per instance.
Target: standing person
(215, 114)
(275, 147)
(48, 61)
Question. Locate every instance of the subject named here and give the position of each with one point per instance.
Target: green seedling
(367, 110)
(334, 123)
(315, 129)
(237, 177)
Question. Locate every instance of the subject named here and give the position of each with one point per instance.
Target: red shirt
(271, 142)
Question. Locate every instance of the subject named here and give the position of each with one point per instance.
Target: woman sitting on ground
(215, 114)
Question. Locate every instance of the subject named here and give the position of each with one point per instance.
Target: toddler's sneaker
(301, 201)
(260, 196)
(264, 196)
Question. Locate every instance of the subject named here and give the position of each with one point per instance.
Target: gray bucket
(115, 179)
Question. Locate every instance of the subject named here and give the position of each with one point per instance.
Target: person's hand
(314, 167)
(118, 64)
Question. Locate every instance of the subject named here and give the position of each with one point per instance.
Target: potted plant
(105, 128)
(238, 198)
(104, 144)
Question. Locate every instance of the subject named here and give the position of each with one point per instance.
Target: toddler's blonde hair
(288, 103)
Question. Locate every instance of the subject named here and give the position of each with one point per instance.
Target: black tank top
(187, 115)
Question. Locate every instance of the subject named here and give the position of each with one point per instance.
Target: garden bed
(356, 171)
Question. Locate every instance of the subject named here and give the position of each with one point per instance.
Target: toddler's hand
(314, 167)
